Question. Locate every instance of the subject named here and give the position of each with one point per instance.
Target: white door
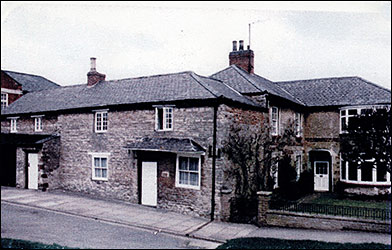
(321, 176)
(149, 183)
(32, 167)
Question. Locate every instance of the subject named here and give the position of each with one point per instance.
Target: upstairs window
(13, 127)
(37, 124)
(164, 118)
(297, 124)
(274, 121)
(101, 121)
(4, 100)
(345, 116)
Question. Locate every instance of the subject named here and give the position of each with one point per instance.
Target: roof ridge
(22, 73)
(321, 78)
(193, 76)
(236, 68)
(150, 76)
(373, 84)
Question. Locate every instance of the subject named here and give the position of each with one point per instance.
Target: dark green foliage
(271, 243)
(368, 137)
(288, 186)
(25, 244)
(306, 182)
(243, 210)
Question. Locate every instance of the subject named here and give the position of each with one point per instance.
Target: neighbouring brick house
(15, 84)
(157, 140)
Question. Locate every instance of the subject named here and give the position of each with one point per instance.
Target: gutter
(214, 162)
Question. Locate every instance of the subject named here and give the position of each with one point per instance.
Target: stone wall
(325, 222)
(25, 125)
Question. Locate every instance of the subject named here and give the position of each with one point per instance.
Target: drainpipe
(213, 163)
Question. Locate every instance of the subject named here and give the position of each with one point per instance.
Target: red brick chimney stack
(242, 58)
(93, 76)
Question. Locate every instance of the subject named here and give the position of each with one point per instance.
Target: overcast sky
(291, 41)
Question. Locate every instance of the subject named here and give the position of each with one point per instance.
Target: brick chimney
(242, 58)
(93, 76)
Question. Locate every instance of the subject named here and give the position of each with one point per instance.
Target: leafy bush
(306, 182)
(243, 210)
(25, 244)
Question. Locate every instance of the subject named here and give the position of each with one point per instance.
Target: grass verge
(271, 243)
(25, 244)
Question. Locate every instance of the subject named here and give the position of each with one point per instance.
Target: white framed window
(13, 125)
(298, 165)
(348, 113)
(298, 124)
(100, 166)
(274, 120)
(188, 171)
(38, 123)
(4, 100)
(101, 121)
(163, 118)
(366, 174)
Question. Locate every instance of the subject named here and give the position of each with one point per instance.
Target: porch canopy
(25, 139)
(173, 145)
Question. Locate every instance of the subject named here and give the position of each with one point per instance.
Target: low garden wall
(269, 217)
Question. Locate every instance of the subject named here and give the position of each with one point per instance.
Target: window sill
(101, 132)
(187, 186)
(99, 179)
(367, 183)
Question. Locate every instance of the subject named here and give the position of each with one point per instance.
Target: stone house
(157, 140)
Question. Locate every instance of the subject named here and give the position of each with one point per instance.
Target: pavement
(163, 221)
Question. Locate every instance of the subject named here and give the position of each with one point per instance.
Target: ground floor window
(366, 173)
(188, 172)
(100, 166)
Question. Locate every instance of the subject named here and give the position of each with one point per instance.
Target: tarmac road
(34, 224)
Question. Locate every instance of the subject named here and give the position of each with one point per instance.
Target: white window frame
(100, 122)
(37, 123)
(298, 124)
(359, 176)
(13, 124)
(165, 112)
(298, 165)
(101, 156)
(4, 102)
(178, 184)
(274, 129)
(359, 110)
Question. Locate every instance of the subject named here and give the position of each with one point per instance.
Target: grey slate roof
(31, 83)
(338, 91)
(152, 89)
(166, 145)
(246, 83)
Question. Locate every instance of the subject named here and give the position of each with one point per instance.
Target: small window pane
(343, 112)
(366, 172)
(194, 179)
(183, 178)
(104, 173)
(193, 164)
(352, 112)
(98, 173)
(160, 119)
(352, 171)
(343, 123)
(96, 162)
(183, 163)
(103, 162)
(381, 173)
(343, 167)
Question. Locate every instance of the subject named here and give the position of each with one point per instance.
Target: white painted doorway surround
(149, 183)
(32, 167)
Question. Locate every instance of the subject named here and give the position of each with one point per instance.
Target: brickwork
(9, 83)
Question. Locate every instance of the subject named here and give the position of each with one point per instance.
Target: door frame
(141, 183)
(28, 170)
(328, 173)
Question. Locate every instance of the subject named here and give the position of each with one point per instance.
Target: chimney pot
(93, 64)
(241, 45)
(234, 45)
